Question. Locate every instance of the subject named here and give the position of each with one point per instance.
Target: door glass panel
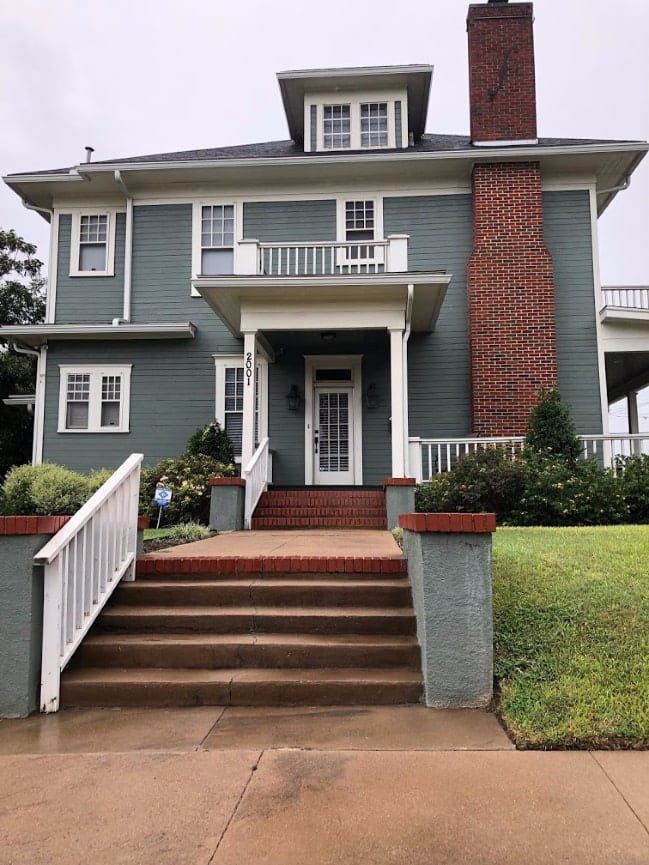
(333, 418)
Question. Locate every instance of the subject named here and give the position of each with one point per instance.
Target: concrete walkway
(295, 542)
(394, 785)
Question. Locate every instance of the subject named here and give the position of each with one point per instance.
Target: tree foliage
(550, 430)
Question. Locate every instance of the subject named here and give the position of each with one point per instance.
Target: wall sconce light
(293, 398)
(371, 398)
(328, 335)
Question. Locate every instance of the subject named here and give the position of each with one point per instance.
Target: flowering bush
(188, 478)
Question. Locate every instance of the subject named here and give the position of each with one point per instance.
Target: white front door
(333, 435)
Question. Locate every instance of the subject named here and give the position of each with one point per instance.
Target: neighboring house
(344, 293)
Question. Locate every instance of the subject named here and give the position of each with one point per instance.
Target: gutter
(128, 247)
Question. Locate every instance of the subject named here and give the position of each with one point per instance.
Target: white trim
(597, 294)
(354, 98)
(221, 361)
(94, 401)
(52, 270)
(333, 361)
(504, 142)
(111, 216)
(341, 202)
(397, 425)
(197, 249)
(37, 334)
(39, 407)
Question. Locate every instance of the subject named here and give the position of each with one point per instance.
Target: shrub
(211, 441)
(44, 489)
(487, 480)
(633, 474)
(187, 532)
(97, 478)
(550, 428)
(188, 477)
(561, 493)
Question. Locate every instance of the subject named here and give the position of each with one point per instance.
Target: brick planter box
(21, 608)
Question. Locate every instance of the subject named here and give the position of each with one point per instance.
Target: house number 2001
(249, 367)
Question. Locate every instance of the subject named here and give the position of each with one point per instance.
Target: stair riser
(344, 499)
(318, 523)
(238, 694)
(238, 656)
(222, 623)
(260, 595)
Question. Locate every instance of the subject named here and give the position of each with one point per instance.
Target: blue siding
(87, 299)
(285, 221)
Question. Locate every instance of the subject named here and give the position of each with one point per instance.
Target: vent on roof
(89, 152)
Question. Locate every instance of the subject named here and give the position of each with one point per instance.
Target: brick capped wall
(501, 72)
(512, 329)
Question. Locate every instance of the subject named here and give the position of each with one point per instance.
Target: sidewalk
(393, 785)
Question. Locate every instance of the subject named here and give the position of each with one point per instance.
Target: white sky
(144, 76)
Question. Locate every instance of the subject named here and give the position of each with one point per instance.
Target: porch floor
(294, 542)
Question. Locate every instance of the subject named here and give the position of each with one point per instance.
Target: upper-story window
(217, 239)
(92, 243)
(336, 124)
(359, 221)
(374, 124)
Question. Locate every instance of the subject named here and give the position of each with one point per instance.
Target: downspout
(128, 246)
(406, 337)
(39, 406)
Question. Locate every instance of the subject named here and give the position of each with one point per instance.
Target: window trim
(354, 99)
(197, 249)
(221, 361)
(341, 206)
(75, 240)
(96, 373)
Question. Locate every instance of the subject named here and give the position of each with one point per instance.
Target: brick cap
(44, 525)
(400, 482)
(227, 482)
(449, 523)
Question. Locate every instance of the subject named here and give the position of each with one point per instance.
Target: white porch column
(634, 420)
(396, 399)
(249, 375)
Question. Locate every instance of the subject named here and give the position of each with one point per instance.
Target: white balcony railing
(431, 457)
(83, 563)
(256, 475)
(626, 297)
(323, 258)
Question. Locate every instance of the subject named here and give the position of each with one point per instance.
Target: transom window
(337, 127)
(217, 239)
(94, 399)
(374, 124)
(93, 243)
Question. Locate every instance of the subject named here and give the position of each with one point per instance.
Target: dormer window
(337, 127)
(374, 124)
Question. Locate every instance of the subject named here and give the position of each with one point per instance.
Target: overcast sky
(144, 76)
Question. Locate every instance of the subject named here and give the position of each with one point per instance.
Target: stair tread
(193, 610)
(296, 639)
(173, 675)
(399, 580)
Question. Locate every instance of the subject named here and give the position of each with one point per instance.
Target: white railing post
(397, 253)
(415, 462)
(248, 258)
(255, 474)
(52, 635)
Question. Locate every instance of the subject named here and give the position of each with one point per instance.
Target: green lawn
(571, 613)
(150, 534)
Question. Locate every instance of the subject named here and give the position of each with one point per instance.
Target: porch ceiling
(626, 371)
(247, 303)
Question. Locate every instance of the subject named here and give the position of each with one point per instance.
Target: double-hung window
(92, 243)
(337, 127)
(359, 229)
(374, 124)
(217, 239)
(94, 398)
(230, 384)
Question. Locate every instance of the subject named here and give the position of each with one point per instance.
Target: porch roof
(34, 335)
(358, 301)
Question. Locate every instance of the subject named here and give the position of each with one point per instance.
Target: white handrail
(627, 297)
(255, 475)
(323, 258)
(83, 563)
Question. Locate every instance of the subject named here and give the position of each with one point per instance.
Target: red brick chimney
(512, 329)
(501, 72)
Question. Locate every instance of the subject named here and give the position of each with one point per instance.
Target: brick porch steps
(317, 508)
(285, 631)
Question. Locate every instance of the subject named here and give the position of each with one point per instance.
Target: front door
(333, 435)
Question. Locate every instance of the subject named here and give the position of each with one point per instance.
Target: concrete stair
(311, 508)
(273, 638)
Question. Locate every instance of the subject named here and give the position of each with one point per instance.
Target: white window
(94, 398)
(336, 124)
(230, 383)
(374, 124)
(217, 239)
(359, 220)
(92, 243)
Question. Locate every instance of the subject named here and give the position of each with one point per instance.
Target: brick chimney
(502, 87)
(512, 329)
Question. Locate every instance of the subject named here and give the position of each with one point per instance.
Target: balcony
(625, 304)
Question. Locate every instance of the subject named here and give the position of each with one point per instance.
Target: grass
(180, 532)
(571, 609)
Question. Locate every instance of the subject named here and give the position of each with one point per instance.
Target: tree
(550, 430)
(22, 301)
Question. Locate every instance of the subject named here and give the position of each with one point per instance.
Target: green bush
(487, 480)
(211, 441)
(44, 489)
(633, 473)
(550, 429)
(99, 477)
(188, 477)
(187, 532)
(561, 493)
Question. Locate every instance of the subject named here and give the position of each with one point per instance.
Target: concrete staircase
(188, 634)
(313, 508)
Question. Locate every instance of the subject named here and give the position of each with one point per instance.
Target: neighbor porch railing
(256, 475)
(431, 457)
(83, 563)
(626, 298)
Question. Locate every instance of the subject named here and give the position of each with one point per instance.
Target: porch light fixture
(293, 398)
(371, 398)
(328, 335)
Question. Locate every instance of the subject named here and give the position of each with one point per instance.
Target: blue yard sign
(162, 498)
